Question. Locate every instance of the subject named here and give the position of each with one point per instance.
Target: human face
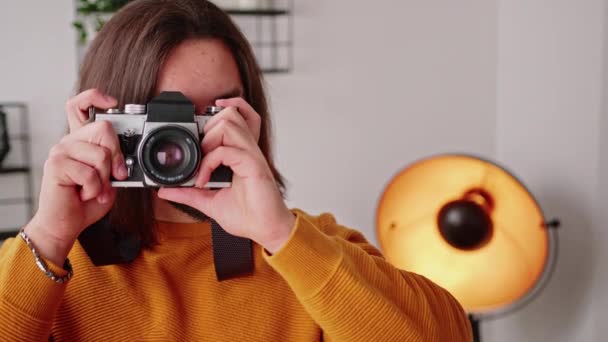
(204, 70)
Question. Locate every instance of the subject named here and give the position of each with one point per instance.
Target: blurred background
(375, 86)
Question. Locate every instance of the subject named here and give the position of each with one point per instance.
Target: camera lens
(170, 155)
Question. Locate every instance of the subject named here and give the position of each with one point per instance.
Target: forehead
(202, 69)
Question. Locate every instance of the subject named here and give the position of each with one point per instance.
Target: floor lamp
(473, 228)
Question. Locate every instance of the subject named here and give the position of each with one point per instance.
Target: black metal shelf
(276, 70)
(258, 12)
(14, 169)
(21, 134)
(279, 58)
(8, 234)
(270, 33)
(231, 11)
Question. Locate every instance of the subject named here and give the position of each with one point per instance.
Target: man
(312, 279)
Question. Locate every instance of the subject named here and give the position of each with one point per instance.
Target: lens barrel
(170, 155)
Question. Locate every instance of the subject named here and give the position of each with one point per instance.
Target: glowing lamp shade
(468, 225)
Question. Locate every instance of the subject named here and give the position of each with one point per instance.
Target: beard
(192, 212)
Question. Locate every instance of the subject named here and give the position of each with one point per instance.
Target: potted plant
(92, 15)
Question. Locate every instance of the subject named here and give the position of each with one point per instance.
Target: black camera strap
(232, 255)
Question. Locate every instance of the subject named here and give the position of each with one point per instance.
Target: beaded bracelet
(43, 266)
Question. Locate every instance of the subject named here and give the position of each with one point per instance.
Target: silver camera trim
(135, 124)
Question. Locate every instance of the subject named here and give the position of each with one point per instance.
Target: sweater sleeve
(28, 298)
(355, 295)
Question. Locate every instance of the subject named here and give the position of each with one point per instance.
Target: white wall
(601, 214)
(377, 87)
(601, 222)
(537, 64)
(405, 80)
(37, 66)
(550, 78)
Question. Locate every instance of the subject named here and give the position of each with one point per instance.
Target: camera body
(160, 142)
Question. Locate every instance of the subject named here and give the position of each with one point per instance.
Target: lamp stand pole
(475, 327)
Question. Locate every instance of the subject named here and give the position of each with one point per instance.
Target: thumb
(95, 211)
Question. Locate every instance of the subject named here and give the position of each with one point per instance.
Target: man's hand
(253, 207)
(76, 190)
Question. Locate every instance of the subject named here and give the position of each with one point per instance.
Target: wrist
(50, 247)
(284, 230)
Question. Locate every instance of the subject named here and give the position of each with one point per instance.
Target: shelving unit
(274, 53)
(270, 32)
(259, 12)
(20, 142)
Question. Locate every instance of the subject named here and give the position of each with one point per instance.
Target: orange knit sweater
(327, 283)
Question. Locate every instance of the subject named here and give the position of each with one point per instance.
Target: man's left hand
(253, 206)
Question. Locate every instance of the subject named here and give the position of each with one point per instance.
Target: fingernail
(109, 98)
(122, 169)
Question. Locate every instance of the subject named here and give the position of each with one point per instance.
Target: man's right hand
(76, 190)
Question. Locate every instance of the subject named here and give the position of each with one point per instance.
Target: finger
(251, 116)
(77, 108)
(92, 208)
(241, 162)
(227, 114)
(227, 133)
(69, 172)
(228, 156)
(101, 133)
(98, 157)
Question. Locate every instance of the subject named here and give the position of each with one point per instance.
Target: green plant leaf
(82, 32)
(87, 8)
(99, 22)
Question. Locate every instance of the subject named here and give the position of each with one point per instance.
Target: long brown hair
(124, 61)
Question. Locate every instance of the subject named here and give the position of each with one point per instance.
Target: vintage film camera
(161, 142)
